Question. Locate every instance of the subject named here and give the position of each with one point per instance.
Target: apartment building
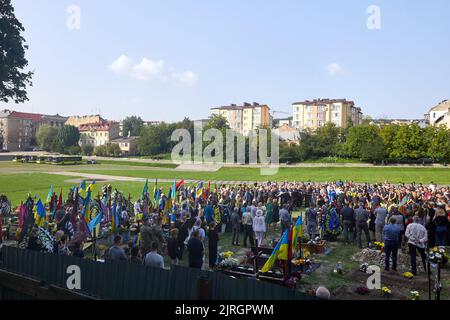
(439, 115)
(18, 129)
(246, 117)
(316, 113)
(98, 134)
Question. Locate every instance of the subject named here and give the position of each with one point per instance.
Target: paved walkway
(103, 178)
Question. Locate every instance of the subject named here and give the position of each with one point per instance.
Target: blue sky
(167, 59)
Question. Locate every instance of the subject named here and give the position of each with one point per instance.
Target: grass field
(16, 179)
(357, 174)
(17, 186)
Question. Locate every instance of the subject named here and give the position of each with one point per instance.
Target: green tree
(87, 150)
(113, 150)
(13, 79)
(68, 136)
(46, 136)
(132, 125)
(154, 140)
(388, 134)
(364, 142)
(408, 143)
(100, 151)
(437, 142)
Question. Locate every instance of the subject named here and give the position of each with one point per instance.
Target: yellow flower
(386, 290)
(408, 275)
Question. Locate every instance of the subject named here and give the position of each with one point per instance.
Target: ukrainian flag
(297, 231)
(87, 207)
(40, 216)
(199, 189)
(280, 252)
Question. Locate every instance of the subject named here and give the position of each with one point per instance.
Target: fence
(125, 281)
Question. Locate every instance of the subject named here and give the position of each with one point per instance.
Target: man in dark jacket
(235, 226)
(195, 248)
(348, 222)
(361, 217)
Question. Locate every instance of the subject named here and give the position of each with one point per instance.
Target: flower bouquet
(379, 246)
(414, 295)
(438, 255)
(386, 291)
(408, 275)
(363, 268)
(226, 261)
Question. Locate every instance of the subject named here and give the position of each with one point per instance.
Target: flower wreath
(332, 221)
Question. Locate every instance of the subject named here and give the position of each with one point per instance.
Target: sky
(170, 59)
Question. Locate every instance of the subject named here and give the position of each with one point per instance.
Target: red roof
(23, 115)
(100, 126)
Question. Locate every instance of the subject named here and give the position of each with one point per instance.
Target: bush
(72, 151)
(108, 150)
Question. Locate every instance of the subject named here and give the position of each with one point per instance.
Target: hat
(259, 212)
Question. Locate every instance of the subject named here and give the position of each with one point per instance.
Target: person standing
(417, 238)
(213, 242)
(172, 247)
(195, 249)
(153, 259)
(441, 222)
(248, 229)
(116, 252)
(259, 226)
(275, 213)
(391, 234)
(380, 222)
(348, 222)
(285, 219)
(269, 210)
(311, 221)
(235, 226)
(361, 217)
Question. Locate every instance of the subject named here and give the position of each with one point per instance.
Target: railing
(126, 281)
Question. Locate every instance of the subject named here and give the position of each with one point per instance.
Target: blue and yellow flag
(92, 186)
(280, 252)
(297, 231)
(94, 222)
(199, 190)
(40, 214)
(87, 207)
(174, 191)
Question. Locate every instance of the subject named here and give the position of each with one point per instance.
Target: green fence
(125, 281)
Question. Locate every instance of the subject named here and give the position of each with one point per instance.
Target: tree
(437, 142)
(108, 150)
(364, 142)
(132, 125)
(87, 150)
(68, 136)
(13, 80)
(46, 136)
(408, 143)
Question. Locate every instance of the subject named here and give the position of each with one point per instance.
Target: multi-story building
(245, 118)
(128, 145)
(78, 121)
(315, 114)
(439, 115)
(18, 129)
(98, 134)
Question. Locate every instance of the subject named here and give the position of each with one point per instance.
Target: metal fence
(126, 281)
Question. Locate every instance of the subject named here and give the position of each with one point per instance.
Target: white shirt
(417, 235)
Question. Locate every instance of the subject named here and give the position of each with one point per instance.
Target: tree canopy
(13, 79)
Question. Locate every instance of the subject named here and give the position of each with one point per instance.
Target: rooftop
(245, 105)
(324, 102)
(99, 126)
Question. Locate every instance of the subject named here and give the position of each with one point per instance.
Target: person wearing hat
(259, 227)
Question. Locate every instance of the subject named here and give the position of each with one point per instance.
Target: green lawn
(358, 174)
(138, 164)
(17, 186)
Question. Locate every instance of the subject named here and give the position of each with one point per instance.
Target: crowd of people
(404, 217)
